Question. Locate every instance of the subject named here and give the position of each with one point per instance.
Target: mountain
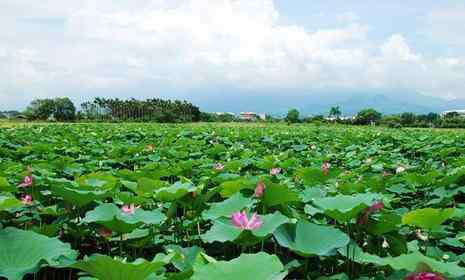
(312, 103)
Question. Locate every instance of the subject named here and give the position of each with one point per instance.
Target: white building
(459, 112)
(251, 116)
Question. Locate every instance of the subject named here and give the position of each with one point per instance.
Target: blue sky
(194, 49)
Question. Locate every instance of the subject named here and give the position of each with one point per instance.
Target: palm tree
(335, 112)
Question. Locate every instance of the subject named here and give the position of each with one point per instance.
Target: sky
(195, 49)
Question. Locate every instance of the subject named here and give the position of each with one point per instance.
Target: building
(251, 116)
(459, 112)
(248, 116)
(225, 113)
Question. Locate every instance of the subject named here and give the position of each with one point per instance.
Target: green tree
(408, 118)
(61, 109)
(64, 109)
(40, 109)
(367, 116)
(335, 112)
(293, 116)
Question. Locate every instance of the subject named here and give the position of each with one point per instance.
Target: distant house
(251, 116)
(458, 112)
(225, 113)
(342, 118)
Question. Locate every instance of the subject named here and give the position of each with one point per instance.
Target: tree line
(156, 110)
(102, 109)
(172, 111)
(371, 116)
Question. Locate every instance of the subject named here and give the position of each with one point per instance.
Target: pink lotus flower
(375, 207)
(325, 167)
(129, 209)
(218, 166)
(378, 205)
(386, 174)
(27, 181)
(275, 171)
(26, 199)
(259, 189)
(104, 232)
(240, 220)
(424, 276)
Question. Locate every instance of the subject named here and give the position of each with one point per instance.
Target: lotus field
(227, 202)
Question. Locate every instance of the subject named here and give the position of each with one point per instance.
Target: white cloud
(107, 47)
(446, 26)
(396, 48)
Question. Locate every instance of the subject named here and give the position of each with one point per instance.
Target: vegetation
(293, 116)
(157, 110)
(154, 201)
(335, 112)
(368, 116)
(60, 109)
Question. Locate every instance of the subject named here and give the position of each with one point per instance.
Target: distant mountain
(308, 103)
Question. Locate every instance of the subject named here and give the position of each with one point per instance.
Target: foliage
(155, 201)
(293, 116)
(335, 112)
(157, 110)
(367, 116)
(60, 109)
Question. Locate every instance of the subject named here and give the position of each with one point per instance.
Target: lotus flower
(26, 199)
(400, 169)
(422, 236)
(313, 147)
(386, 174)
(325, 167)
(375, 207)
(104, 232)
(27, 182)
(259, 189)
(150, 148)
(275, 171)
(240, 220)
(129, 209)
(424, 276)
(218, 166)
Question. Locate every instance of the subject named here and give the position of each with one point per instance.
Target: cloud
(111, 47)
(445, 25)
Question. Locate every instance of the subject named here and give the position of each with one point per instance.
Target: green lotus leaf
(229, 188)
(312, 176)
(76, 194)
(427, 218)
(407, 262)
(227, 207)
(110, 216)
(24, 252)
(146, 186)
(175, 191)
(5, 186)
(9, 202)
(309, 239)
(260, 266)
(186, 258)
(106, 268)
(98, 180)
(221, 231)
(343, 208)
(277, 194)
(270, 223)
(386, 222)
